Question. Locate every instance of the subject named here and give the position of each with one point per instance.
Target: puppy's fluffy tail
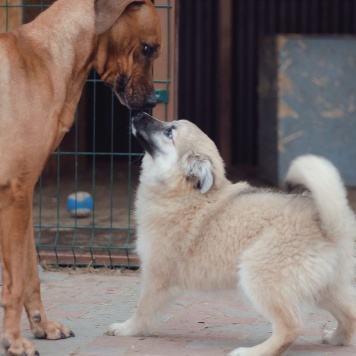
(325, 184)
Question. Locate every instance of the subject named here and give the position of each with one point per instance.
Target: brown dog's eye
(148, 51)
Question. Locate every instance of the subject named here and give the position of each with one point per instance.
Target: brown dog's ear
(199, 171)
(108, 11)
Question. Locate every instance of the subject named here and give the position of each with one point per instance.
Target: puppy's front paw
(127, 328)
(241, 351)
(118, 329)
(333, 338)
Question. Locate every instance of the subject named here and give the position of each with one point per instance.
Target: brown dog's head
(129, 40)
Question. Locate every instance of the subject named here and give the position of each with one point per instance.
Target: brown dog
(44, 65)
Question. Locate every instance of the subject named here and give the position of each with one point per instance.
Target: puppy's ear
(108, 11)
(198, 170)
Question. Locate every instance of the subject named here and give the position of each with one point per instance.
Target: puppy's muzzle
(144, 128)
(146, 123)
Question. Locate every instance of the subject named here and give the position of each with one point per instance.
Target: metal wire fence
(99, 157)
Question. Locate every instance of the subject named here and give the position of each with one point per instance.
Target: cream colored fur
(198, 231)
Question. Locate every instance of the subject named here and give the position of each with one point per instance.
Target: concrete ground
(195, 325)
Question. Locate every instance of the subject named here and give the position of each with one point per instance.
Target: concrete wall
(307, 103)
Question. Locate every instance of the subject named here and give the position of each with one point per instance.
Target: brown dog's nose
(138, 115)
(151, 100)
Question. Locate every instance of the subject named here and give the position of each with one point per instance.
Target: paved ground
(197, 324)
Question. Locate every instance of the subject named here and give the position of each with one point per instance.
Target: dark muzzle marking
(146, 127)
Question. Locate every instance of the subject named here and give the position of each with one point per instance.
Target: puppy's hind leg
(286, 327)
(155, 295)
(276, 303)
(341, 304)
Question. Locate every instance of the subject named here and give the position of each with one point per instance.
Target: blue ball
(80, 204)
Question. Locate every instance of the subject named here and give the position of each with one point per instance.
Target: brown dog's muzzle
(137, 95)
(151, 100)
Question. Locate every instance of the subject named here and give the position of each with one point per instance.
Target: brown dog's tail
(323, 180)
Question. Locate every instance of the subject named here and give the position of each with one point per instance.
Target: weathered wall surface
(307, 103)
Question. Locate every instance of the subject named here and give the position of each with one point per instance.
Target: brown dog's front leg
(15, 212)
(41, 327)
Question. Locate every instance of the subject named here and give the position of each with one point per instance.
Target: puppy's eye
(148, 51)
(168, 133)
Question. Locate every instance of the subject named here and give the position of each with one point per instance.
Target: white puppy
(198, 231)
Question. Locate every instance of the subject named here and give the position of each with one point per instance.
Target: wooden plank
(224, 73)
(165, 66)
(65, 258)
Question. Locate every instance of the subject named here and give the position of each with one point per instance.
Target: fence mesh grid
(99, 157)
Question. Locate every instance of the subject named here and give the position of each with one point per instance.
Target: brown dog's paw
(18, 347)
(52, 330)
